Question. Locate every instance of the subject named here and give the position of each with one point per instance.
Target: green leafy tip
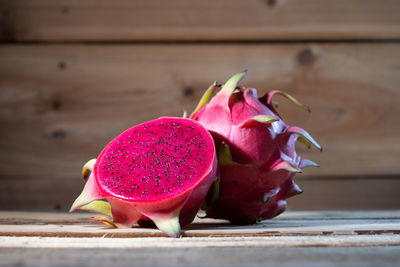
(169, 225)
(292, 99)
(307, 163)
(266, 119)
(88, 195)
(231, 84)
(294, 190)
(205, 98)
(284, 165)
(278, 212)
(305, 137)
(105, 220)
(224, 154)
(99, 206)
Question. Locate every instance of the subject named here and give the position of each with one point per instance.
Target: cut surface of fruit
(154, 160)
(158, 171)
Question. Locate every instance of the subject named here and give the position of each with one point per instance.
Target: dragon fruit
(256, 152)
(159, 171)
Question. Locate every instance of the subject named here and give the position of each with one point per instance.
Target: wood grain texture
(301, 224)
(61, 104)
(323, 238)
(155, 20)
(197, 257)
(104, 241)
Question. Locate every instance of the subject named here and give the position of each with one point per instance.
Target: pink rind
(257, 178)
(167, 213)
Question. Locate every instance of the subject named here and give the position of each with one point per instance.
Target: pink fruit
(257, 157)
(158, 171)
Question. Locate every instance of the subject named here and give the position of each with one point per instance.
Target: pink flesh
(155, 160)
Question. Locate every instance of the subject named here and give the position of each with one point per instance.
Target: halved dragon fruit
(158, 171)
(257, 157)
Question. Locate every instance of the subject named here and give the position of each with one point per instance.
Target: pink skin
(246, 193)
(243, 138)
(159, 171)
(263, 153)
(254, 143)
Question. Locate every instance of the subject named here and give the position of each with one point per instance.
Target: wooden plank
(200, 242)
(155, 20)
(60, 104)
(270, 228)
(307, 247)
(36, 217)
(211, 256)
(76, 226)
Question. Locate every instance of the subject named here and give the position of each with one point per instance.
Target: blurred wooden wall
(74, 74)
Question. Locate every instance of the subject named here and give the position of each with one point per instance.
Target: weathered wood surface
(208, 256)
(245, 241)
(308, 223)
(325, 238)
(60, 104)
(210, 228)
(155, 20)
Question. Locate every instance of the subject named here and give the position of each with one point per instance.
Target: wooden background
(74, 74)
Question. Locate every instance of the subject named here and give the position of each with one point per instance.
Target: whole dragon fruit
(159, 171)
(256, 152)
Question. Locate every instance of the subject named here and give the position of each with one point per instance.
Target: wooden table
(352, 238)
